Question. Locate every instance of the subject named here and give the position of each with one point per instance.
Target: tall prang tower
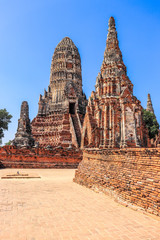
(114, 115)
(62, 108)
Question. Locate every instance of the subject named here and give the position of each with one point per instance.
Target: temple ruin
(23, 137)
(117, 155)
(107, 140)
(62, 108)
(113, 115)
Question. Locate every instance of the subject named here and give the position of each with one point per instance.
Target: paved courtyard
(55, 208)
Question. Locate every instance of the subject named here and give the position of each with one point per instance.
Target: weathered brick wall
(52, 130)
(131, 176)
(12, 157)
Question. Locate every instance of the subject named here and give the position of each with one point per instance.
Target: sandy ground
(55, 208)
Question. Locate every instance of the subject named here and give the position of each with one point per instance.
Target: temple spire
(112, 52)
(113, 69)
(149, 104)
(111, 24)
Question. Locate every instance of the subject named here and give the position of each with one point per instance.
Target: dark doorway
(86, 139)
(72, 108)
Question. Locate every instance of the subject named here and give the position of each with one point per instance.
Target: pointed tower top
(24, 110)
(113, 68)
(111, 22)
(112, 52)
(149, 104)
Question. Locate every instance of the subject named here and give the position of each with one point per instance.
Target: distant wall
(12, 157)
(131, 176)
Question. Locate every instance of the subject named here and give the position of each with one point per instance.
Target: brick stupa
(114, 116)
(23, 137)
(62, 108)
(149, 104)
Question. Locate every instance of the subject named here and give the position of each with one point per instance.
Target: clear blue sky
(31, 29)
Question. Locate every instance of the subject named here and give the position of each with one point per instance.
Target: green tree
(5, 119)
(8, 143)
(151, 123)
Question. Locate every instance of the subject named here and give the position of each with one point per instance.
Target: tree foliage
(8, 143)
(5, 119)
(151, 123)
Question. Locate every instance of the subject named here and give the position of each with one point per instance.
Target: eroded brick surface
(132, 176)
(12, 157)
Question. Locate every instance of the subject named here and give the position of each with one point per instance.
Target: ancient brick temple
(62, 108)
(23, 137)
(113, 116)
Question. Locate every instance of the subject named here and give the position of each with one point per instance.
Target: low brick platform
(131, 176)
(12, 157)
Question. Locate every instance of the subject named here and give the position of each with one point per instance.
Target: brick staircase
(76, 128)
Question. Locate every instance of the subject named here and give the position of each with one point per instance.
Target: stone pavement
(55, 208)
